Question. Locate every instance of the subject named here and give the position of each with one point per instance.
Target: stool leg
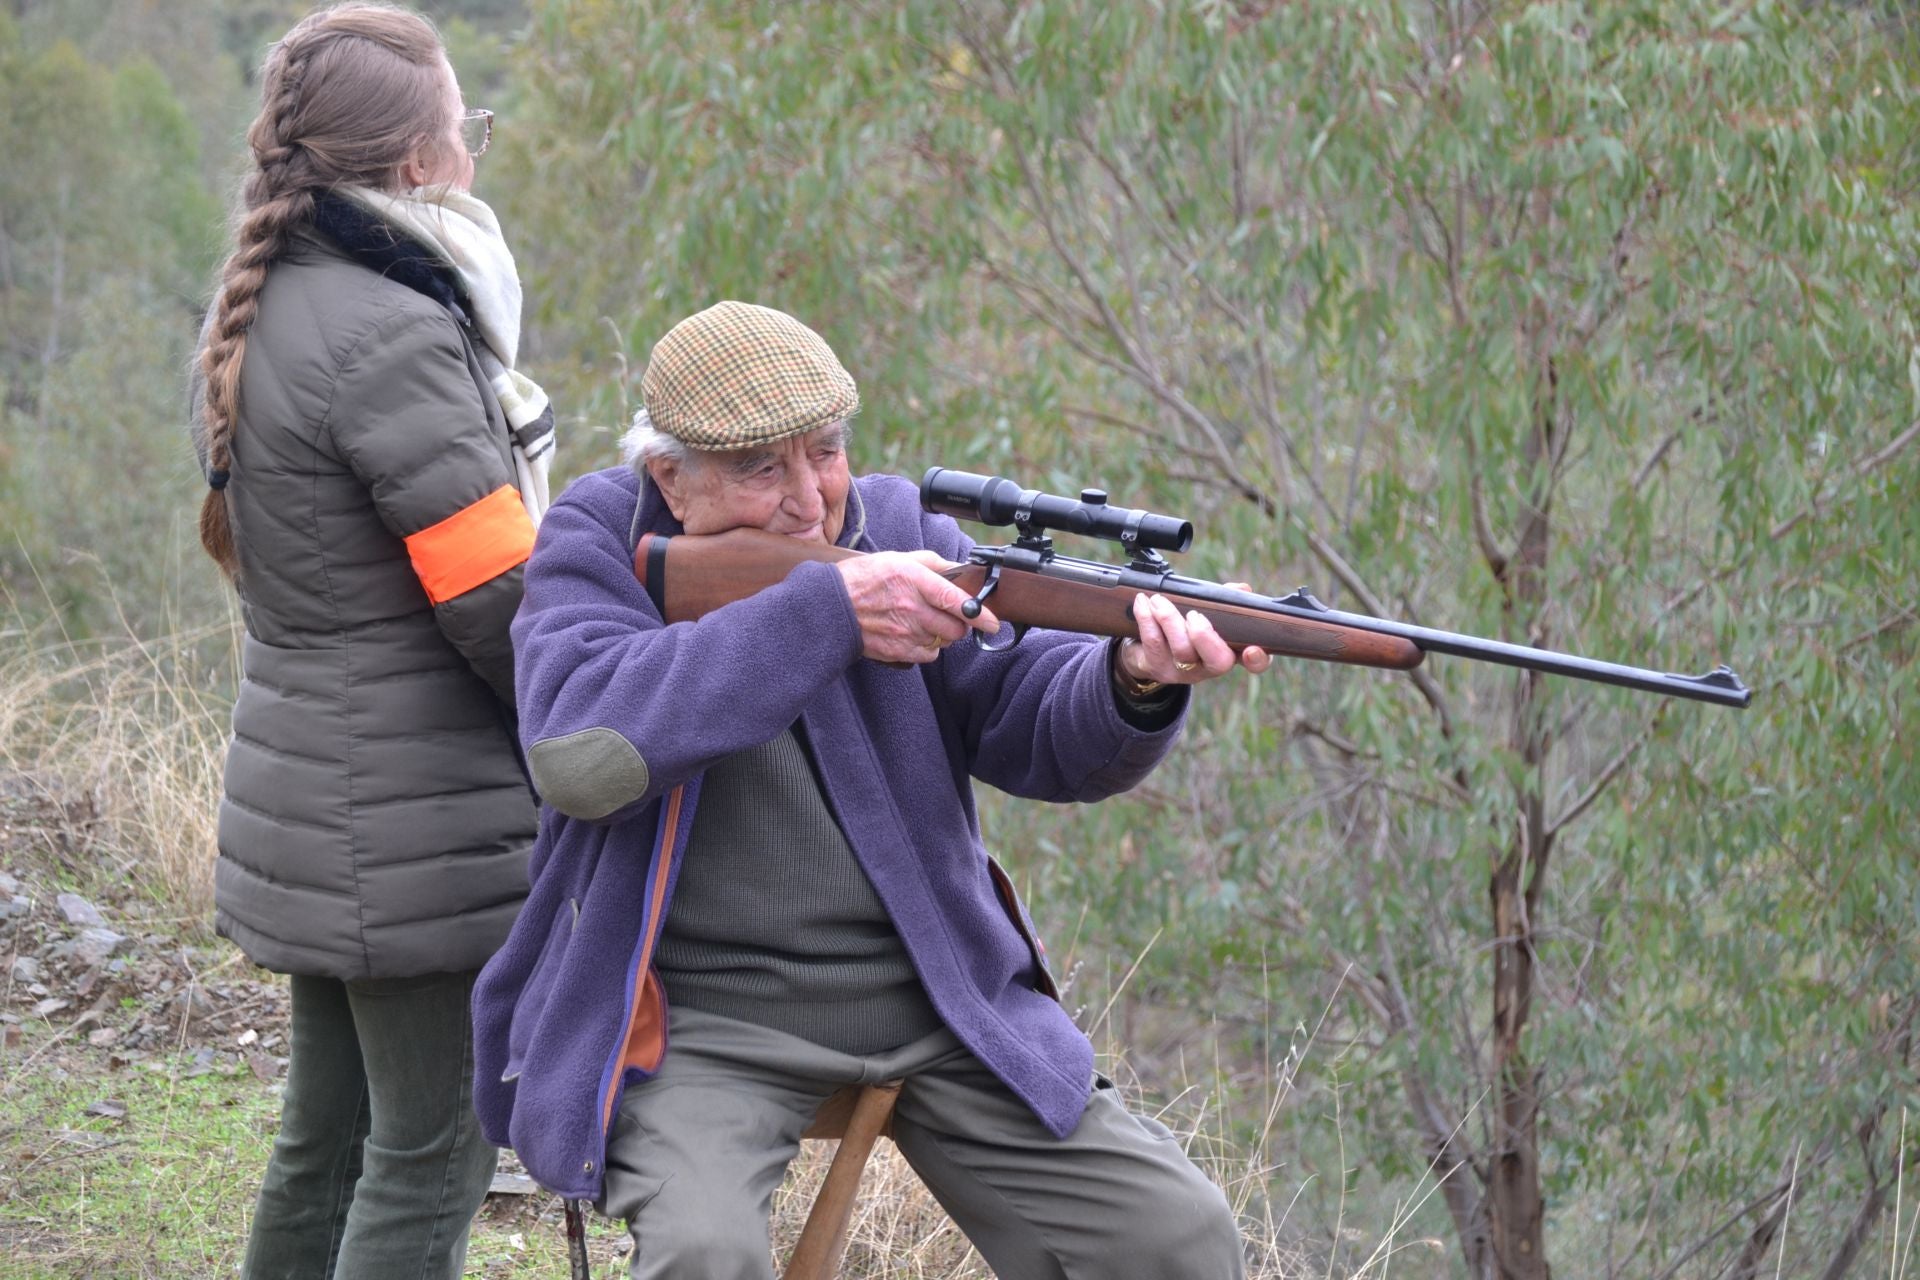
(824, 1239)
(577, 1266)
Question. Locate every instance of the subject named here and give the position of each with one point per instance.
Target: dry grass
(136, 729)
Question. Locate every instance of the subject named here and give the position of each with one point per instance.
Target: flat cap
(737, 375)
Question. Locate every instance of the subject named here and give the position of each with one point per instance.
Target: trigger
(970, 608)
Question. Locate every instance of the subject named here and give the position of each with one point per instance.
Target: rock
(26, 970)
(49, 1006)
(95, 947)
(512, 1184)
(79, 911)
(19, 905)
(101, 1037)
(8, 884)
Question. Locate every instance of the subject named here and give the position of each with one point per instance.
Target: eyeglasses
(476, 131)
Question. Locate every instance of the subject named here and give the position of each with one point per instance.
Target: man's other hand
(1177, 649)
(906, 610)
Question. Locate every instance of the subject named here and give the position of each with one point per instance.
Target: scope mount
(1031, 539)
(1144, 559)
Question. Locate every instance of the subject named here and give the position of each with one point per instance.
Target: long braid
(307, 138)
(276, 201)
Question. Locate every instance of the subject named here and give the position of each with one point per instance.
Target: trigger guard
(981, 642)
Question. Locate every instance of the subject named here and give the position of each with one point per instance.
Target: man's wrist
(1131, 687)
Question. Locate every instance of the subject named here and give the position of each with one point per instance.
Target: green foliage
(1586, 324)
(107, 233)
(1583, 324)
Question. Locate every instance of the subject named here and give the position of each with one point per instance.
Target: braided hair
(347, 96)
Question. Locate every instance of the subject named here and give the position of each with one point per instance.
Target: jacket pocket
(1016, 912)
(532, 1001)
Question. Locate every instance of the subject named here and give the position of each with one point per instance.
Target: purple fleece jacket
(895, 748)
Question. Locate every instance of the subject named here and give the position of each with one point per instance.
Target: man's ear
(670, 479)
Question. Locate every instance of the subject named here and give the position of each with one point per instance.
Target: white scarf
(461, 229)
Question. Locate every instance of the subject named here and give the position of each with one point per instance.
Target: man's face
(797, 486)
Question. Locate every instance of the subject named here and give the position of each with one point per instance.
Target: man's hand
(907, 611)
(1181, 650)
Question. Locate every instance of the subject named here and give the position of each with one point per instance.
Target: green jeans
(379, 1164)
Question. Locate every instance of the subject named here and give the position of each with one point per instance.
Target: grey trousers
(379, 1164)
(698, 1150)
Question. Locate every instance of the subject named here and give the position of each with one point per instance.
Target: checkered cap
(736, 375)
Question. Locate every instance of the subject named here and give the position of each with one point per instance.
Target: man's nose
(803, 490)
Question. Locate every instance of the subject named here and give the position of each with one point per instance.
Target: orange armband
(473, 546)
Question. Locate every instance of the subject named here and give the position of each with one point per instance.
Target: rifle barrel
(1720, 686)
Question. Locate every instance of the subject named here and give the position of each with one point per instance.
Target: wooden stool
(857, 1116)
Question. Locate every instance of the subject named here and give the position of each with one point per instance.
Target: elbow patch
(587, 774)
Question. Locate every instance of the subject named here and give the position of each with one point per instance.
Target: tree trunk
(1760, 1242)
(1516, 1210)
(1516, 1207)
(1857, 1232)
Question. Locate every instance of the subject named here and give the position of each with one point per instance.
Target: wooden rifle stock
(689, 577)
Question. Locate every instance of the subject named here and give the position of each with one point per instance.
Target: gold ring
(1185, 666)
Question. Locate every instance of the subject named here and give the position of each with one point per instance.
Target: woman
(375, 467)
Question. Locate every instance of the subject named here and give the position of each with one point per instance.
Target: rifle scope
(993, 500)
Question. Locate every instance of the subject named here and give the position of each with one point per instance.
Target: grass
(152, 1187)
(149, 1171)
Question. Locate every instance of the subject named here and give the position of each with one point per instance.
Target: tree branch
(1813, 510)
(1608, 774)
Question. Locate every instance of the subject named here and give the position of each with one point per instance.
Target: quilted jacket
(377, 817)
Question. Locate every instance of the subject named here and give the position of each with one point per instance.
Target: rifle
(1030, 585)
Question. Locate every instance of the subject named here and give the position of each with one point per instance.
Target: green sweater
(773, 920)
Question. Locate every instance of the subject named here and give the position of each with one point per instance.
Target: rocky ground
(137, 1050)
(103, 975)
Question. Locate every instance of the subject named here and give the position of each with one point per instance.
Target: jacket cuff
(1155, 713)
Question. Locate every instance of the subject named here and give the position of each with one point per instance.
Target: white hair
(644, 443)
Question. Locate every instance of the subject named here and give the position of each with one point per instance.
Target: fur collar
(375, 243)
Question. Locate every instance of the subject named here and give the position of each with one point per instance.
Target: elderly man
(759, 847)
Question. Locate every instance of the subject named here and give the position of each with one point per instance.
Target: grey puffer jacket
(377, 817)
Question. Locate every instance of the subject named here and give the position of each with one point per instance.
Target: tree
(106, 238)
(1576, 324)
